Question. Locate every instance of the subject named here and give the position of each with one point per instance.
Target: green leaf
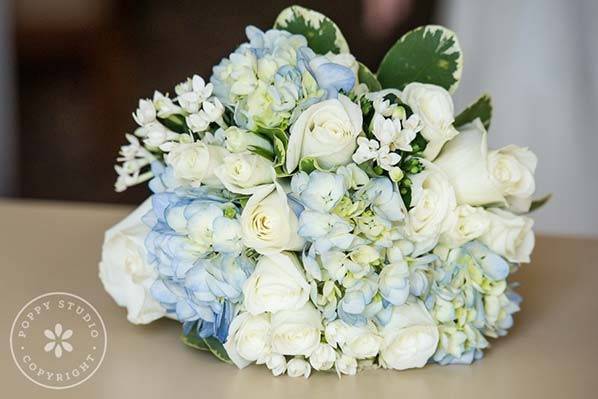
(206, 344)
(279, 152)
(482, 109)
(308, 165)
(269, 155)
(428, 54)
(539, 203)
(321, 32)
(176, 123)
(194, 341)
(364, 75)
(217, 349)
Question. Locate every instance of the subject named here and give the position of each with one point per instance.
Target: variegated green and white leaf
(428, 54)
(482, 109)
(540, 202)
(321, 32)
(367, 77)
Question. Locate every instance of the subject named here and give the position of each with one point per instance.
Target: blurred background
(72, 71)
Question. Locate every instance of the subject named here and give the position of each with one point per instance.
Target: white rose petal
(509, 235)
(410, 337)
(195, 162)
(268, 224)
(326, 131)
(248, 338)
(432, 208)
(465, 161)
(277, 283)
(296, 332)
(471, 222)
(244, 173)
(323, 357)
(346, 365)
(513, 170)
(276, 363)
(124, 270)
(434, 107)
(297, 367)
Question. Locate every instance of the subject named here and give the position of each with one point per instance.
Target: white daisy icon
(58, 341)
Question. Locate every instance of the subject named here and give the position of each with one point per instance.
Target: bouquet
(308, 214)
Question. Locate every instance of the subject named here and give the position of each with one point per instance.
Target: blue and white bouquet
(310, 214)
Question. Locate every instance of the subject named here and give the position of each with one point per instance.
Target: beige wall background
(539, 61)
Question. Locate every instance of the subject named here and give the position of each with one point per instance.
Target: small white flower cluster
(305, 222)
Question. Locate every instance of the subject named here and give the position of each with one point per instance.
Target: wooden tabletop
(552, 351)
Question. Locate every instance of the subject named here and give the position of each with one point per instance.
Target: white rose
(277, 283)
(296, 332)
(248, 338)
(359, 342)
(471, 222)
(244, 173)
(297, 367)
(513, 169)
(509, 235)
(268, 223)
(432, 208)
(434, 107)
(195, 162)
(465, 161)
(346, 365)
(124, 270)
(241, 140)
(323, 357)
(410, 337)
(276, 363)
(326, 131)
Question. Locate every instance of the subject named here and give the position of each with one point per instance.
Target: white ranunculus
(244, 173)
(359, 342)
(410, 337)
(471, 222)
(509, 235)
(513, 169)
(346, 365)
(323, 357)
(326, 131)
(268, 223)
(195, 162)
(296, 332)
(465, 161)
(124, 270)
(434, 107)
(277, 283)
(298, 367)
(248, 338)
(432, 208)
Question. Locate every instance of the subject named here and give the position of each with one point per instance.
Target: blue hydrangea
(195, 246)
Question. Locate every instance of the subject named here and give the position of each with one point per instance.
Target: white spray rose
(323, 357)
(410, 337)
(268, 224)
(432, 208)
(346, 365)
(298, 367)
(277, 283)
(359, 342)
(244, 173)
(326, 131)
(124, 270)
(276, 363)
(471, 222)
(241, 140)
(296, 332)
(195, 162)
(434, 107)
(509, 235)
(513, 169)
(248, 338)
(465, 161)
